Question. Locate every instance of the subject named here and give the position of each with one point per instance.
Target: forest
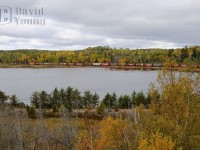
(165, 118)
(103, 54)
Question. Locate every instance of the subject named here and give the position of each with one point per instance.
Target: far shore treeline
(103, 54)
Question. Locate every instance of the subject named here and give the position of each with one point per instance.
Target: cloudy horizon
(78, 24)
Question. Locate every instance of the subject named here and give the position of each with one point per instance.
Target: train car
(157, 65)
(122, 64)
(148, 65)
(175, 65)
(39, 63)
(113, 64)
(79, 64)
(71, 64)
(31, 63)
(104, 64)
(130, 64)
(50, 63)
(96, 64)
(87, 64)
(138, 64)
(62, 64)
(183, 65)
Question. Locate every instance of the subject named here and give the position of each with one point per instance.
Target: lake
(23, 82)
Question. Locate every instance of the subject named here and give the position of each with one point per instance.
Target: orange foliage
(113, 133)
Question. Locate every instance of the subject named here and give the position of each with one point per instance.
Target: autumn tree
(156, 141)
(177, 101)
(115, 134)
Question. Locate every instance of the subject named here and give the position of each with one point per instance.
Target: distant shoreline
(184, 69)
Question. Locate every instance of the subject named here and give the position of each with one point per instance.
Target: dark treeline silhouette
(11, 100)
(69, 97)
(111, 101)
(73, 99)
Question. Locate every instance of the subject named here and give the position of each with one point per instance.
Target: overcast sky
(77, 24)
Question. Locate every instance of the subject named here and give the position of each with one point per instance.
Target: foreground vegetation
(170, 121)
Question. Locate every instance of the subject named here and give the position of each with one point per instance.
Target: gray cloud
(76, 24)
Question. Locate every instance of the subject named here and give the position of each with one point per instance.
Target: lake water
(23, 82)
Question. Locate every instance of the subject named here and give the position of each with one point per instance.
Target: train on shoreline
(115, 64)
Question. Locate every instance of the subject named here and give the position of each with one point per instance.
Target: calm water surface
(23, 82)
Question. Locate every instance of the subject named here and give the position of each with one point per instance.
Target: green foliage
(44, 100)
(110, 101)
(124, 102)
(3, 97)
(55, 98)
(70, 98)
(87, 99)
(95, 100)
(14, 101)
(101, 108)
(77, 99)
(140, 98)
(35, 101)
(31, 112)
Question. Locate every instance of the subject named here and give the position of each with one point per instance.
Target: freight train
(114, 64)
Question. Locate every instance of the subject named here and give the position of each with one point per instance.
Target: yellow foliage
(177, 101)
(113, 133)
(156, 142)
(83, 141)
(122, 60)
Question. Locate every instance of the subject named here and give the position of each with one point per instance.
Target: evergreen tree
(77, 99)
(14, 101)
(44, 100)
(3, 97)
(55, 97)
(69, 98)
(107, 101)
(95, 100)
(87, 99)
(35, 100)
(133, 98)
(124, 102)
(114, 101)
(140, 98)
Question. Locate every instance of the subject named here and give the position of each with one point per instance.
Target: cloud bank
(77, 24)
